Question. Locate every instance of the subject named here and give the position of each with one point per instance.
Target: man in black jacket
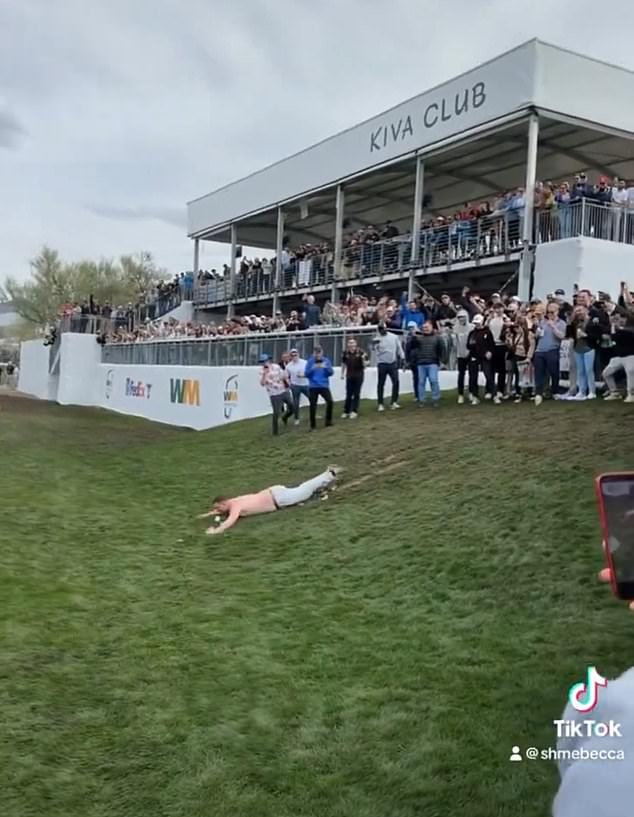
(622, 360)
(427, 349)
(410, 355)
(481, 347)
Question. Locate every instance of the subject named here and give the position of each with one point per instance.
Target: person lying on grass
(270, 499)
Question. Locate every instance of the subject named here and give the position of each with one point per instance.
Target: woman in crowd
(585, 333)
(520, 342)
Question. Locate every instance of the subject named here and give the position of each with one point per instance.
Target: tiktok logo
(585, 696)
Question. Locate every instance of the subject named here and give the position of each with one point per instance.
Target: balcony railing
(458, 242)
(239, 350)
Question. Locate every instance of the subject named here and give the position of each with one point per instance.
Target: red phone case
(604, 524)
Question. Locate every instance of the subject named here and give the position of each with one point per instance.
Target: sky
(114, 114)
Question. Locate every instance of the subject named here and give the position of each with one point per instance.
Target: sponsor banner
(197, 397)
(203, 397)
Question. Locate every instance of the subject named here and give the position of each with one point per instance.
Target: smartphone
(615, 495)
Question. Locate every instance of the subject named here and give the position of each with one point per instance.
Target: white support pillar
(338, 257)
(232, 268)
(196, 258)
(524, 281)
(416, 222)
(279, 247)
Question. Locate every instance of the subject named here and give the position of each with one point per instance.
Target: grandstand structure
(535, 112)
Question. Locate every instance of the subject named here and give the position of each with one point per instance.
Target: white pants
(614, 366)
(283, 496)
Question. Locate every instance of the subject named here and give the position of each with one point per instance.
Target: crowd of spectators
(91, 316)
(479, 229)
(520, 350)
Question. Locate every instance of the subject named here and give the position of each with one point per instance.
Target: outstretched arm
(234, 515)
(205, 515)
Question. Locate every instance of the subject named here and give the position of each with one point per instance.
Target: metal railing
(241, 350)
(459, 241)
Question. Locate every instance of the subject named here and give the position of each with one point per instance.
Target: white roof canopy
(472, 132)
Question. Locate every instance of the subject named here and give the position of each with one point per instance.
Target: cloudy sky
(114, 114)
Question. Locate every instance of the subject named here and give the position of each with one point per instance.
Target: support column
(416, 223)
(196, 258)
(279, 247)
(524, 281)
(338, 257)
(232, 267)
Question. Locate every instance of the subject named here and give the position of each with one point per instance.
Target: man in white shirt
(295, 369)
(619, 203)
(389, 355)
(275, 381)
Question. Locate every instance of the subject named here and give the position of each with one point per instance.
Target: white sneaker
(497, 400)
(460, 400)
(592, 396)
(296, 423)
(394, 406)
(629, 398)
(381, 408)
(538, 399)
(475, 401)
(613, 395)
(344, 416)
(488, 397)
(579, 398)
(353, 415)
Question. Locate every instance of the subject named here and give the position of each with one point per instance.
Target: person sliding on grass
(270, 499)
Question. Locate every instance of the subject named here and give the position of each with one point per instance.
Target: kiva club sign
(452, 106)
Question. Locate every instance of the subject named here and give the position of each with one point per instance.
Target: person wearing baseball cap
(410, 355)
(481, 348)
(295, 369)
(460, 334)
(275, 380)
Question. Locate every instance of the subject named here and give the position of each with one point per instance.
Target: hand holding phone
(615, 495)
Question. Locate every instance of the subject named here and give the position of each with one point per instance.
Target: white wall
(225, 393)
(79, 363)
(197, 397)
(589, 262)
(34, 378)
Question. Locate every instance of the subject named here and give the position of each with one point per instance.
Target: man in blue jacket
(319, 371)
(410, 313)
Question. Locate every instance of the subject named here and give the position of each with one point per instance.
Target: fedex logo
(137, 389)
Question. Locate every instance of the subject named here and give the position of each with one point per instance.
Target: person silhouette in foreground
(603, 787)
(270, 499)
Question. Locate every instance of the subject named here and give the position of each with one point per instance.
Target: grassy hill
(374, 655)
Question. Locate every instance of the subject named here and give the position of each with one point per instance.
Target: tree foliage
(54, 282)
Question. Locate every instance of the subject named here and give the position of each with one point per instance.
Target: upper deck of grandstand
(537, 111)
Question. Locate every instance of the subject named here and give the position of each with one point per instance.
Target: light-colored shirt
(549, 342)
(388, 348)
(619, 197)
(496, 324)
(295, 370)
(274, 381)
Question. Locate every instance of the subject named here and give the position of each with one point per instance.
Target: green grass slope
(375, 655)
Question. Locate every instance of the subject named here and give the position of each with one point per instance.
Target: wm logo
(230, 395)
(185, 391)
